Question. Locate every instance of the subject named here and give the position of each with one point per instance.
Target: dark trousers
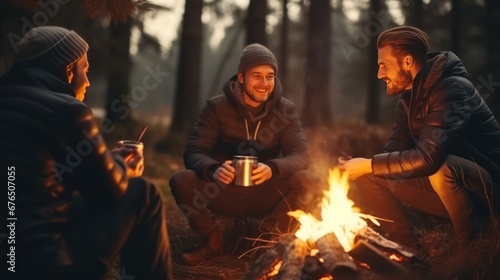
(271, 200)
(460, 190)
(134, 226)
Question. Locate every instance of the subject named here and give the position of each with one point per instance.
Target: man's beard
(402, 81)
(248, 93)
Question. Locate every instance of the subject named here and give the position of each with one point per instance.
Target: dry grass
(357, 139)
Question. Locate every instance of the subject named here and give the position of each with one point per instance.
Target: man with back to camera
(443, 154)
(77, 203)
(250, 118)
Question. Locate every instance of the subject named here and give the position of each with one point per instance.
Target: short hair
(406, 40)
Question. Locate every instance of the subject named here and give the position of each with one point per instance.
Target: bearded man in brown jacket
(250, 118)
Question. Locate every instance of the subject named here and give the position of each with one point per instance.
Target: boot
(211, 248)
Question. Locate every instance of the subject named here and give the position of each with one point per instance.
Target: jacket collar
(36, 77)
(438, 66)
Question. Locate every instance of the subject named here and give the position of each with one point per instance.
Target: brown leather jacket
(52, 142)
(226, 127)
(442, 115)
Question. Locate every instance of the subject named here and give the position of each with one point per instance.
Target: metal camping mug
(244, 165)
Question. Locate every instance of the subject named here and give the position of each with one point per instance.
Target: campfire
(339, 245)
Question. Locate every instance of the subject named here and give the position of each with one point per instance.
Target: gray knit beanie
(256, 54)
(56, 46)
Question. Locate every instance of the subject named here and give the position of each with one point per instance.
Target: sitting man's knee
(142, 187)
(447, 173)
(181, 178)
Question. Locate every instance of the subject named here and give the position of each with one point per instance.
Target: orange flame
(338, 214)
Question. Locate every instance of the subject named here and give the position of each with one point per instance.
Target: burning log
(369, 254)
(335, 259)
(414, 258)
(313, 267)
(293, 260)
(269, 258)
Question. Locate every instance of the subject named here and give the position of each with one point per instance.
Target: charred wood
(269, 258)
(335, 259)
(293, 260)
(415, 259)
(366, 253)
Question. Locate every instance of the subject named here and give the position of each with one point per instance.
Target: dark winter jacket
(226, 128)
(442, 115)
(51, 141)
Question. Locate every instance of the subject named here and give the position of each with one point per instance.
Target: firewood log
(293, 261)
(335, 259)
(269, 258)
(364, 252)
(416, 259)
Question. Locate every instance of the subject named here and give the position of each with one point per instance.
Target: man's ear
(69, 73)
(408, 61)
(240, 78)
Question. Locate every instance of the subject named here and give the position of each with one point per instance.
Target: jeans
(460, 190)
(271, 200)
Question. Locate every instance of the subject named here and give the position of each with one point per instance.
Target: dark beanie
(56, 46)
(256, 54)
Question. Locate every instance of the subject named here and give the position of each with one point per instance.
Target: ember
(336, 247)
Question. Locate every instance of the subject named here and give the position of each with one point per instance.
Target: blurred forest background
(159, 60)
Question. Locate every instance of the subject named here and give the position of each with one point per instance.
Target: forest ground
(434, 234)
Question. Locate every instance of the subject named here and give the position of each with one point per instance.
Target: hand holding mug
(224, 173)
(133, 153)
(261, 174)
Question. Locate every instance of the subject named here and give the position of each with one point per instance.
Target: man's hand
(355, 167)
(225, 173)
(262, 173)
(133, 160)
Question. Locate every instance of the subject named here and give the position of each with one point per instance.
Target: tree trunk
(415, 13)
(12, 30)
(373, 101)
(283, 61)
(316, 109)
(118, 92)
(187, 95)
(455, 26)
(490, 84)
(256, 22)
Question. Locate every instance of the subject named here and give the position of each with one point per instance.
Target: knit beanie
(56, 46)
(256, 54)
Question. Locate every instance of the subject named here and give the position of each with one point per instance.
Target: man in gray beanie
(77, 204)
(250, 118)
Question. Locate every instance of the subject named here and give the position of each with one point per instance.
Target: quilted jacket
(52, 142)
(443, 114)
(226, 127)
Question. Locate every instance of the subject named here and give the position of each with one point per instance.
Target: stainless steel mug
(244, 165)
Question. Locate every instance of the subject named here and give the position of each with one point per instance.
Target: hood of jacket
(234, 92)
(439, 65)
(36, 77)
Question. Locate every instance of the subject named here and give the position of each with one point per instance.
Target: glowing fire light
(395, 257)
(337, 214)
